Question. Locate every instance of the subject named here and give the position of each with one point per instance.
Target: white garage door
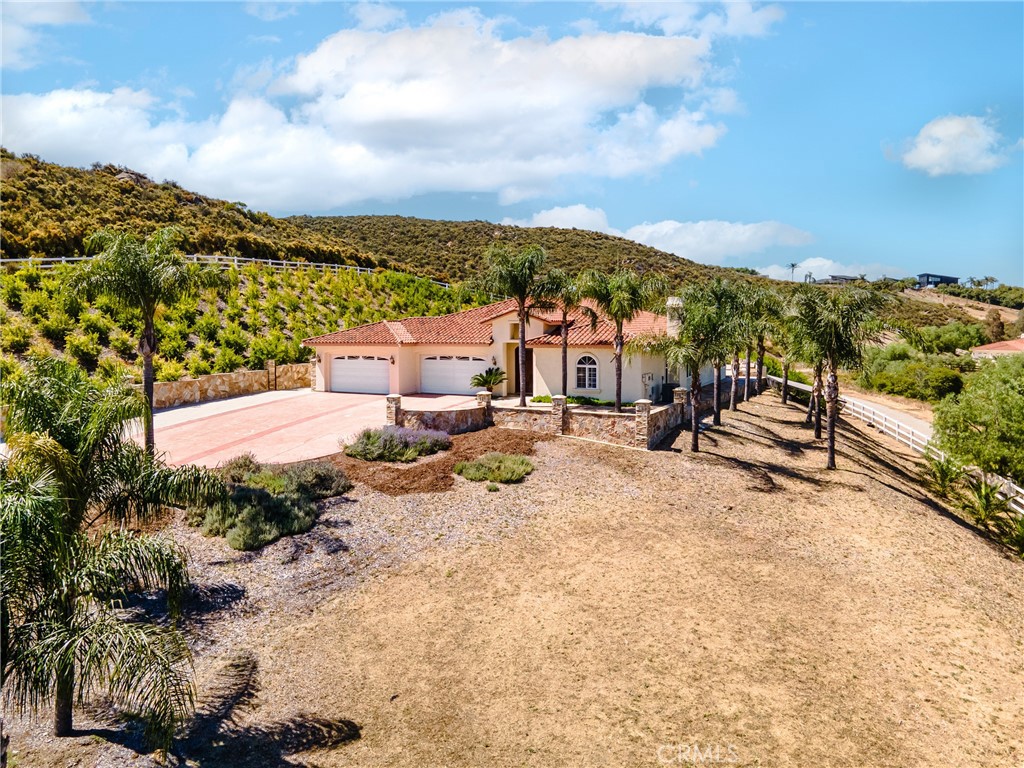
(360, 373)
(450, 374)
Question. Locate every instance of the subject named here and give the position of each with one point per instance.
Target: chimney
(673, 309)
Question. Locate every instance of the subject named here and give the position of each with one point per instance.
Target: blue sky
(848, 138)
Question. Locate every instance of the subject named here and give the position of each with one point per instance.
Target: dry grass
(743, 597)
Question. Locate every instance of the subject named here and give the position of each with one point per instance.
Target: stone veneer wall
(218, 386)
(606, 426)
(662, 421)
(453, 422)
(531, 418)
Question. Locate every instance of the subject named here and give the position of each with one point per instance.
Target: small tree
(516, 274)
(143, 275)
(983, 425)
(564, 291)
(72, 479)
(994, 327)
(620, 297)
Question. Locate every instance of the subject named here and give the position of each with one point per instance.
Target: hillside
(453, 250)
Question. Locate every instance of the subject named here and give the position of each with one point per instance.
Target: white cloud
(377, 15)
(820, 268)
(712, 241)
(451, 105)
(21, 38)
(732, 19)
(266, 11)
(962, 144)
(709, 242)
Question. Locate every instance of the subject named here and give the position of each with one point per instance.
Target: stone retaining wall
(605, 426)
(453, 422)
(532, 418)
(218, 386)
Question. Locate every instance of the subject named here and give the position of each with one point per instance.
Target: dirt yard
(618, 608)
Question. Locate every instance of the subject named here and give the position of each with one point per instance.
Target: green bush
(397, 444)
(96, 323)
(83, 347)
(234, 338)
(267, 501)
(495, 468)
(167, 370)
(949, 337)
(227, 361)
(899, 370)
(123, 343)
(16, 336)
(56, 326)
(574, 400)
(207, 326)
(197, 366)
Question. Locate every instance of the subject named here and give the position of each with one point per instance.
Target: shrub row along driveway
(277, 426)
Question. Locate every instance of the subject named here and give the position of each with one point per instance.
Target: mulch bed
(436, 473)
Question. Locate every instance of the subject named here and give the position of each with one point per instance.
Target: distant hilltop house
(928, 280)
(999, 349)
(440, 355)
(835, 279)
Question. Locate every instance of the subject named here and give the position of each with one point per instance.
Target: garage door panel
(450, 374)
(362, 374)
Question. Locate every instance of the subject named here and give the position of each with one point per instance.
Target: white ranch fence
(917, 440)
(224, 262)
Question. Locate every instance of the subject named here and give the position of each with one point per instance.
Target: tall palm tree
(564, 291)
(839, 326)
(792, 269)
(723, 295)
(765, 308)
(803, 315)
(72, 481)
(516, 274)
(696, 343)
(142, 275)
(620, 297)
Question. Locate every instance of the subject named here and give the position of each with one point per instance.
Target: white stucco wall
(547, 375)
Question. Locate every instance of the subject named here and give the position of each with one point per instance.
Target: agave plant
(488, 379)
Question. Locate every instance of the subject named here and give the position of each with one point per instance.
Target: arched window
(586, 373)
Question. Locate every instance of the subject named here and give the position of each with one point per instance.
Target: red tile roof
(472, 326)
(1006, 347)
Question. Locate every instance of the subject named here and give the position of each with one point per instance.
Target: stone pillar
(559, 415)
(679, 397)
(394, 411)
(312, 371)
(643, 420)
(484, 399)
(272, 375)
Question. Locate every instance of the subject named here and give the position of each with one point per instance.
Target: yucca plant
(984, 503)
(488, 379)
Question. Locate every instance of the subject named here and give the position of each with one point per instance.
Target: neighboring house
(999, 349)
(439, 355)
(928, 280)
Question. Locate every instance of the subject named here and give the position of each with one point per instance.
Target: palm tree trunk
(760, 365)
(522, 355)
(63, 701)
(832, 405)
(746, 381)
(147, 346)
(618, 371)
(817, 403)
(716, 419)
(785, 383)
(694, 409)
(735, 376)
(565, 354)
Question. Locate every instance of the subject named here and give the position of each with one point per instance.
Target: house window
(586, 373)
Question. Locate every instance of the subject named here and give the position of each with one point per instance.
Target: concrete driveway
(277, 426)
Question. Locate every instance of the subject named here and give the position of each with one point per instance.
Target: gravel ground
(617, 608)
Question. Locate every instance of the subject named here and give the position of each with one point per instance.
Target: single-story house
(999, 349)
(928, 280)
(440, 355)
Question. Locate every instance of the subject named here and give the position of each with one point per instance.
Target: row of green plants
(252, 314)
(979, 497)
(1003, 295)
(579, 400)
(899, 369)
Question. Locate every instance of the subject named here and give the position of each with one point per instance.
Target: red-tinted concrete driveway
(277, 426)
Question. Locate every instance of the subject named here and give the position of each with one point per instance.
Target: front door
(529, 371)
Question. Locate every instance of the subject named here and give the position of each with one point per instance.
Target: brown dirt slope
(622, 608)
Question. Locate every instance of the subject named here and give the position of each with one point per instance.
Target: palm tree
(839, 326)
(696, 344)
(620, 297)
(792, 269)
(517, 275)
(141, 275)
(802, 318)
(489, 379)
(765, 308)
(723, 295)
(565, 292)
(72, 481)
